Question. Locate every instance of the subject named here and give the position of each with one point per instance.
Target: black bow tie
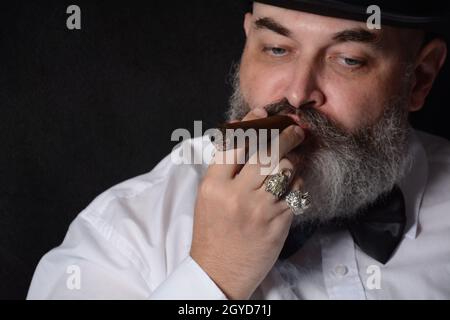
(377, 229)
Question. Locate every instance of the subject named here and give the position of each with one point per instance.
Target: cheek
(261, 85)
(359, 102)
(352, 106)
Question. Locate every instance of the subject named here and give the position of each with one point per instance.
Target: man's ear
(428, 64)
(247, 23)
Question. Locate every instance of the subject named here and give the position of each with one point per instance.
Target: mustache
(284, 106)
(308, 115)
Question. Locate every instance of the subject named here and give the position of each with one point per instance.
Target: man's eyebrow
(358, 35)
(270, 24)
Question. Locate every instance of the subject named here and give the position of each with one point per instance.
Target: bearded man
(364, 212)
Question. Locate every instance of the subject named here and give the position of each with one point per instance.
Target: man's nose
(303, 87)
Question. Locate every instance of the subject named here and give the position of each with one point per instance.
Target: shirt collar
(413, 184)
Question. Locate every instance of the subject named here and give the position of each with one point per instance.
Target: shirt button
(341, 270)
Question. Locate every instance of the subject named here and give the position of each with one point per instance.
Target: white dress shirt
(133, 241)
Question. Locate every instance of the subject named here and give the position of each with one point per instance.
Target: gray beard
(349, 170)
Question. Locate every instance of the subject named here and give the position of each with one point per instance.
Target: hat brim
(339, 9)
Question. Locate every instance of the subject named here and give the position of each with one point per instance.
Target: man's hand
(239, 228)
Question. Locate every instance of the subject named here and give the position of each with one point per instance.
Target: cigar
(279, 122)
(223, 142)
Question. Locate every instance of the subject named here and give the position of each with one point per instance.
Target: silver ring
(277, 184)
(298, 201)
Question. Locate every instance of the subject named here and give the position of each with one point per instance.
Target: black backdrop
(83, 110)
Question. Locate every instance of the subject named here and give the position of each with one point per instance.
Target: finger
(290, 138)
(283, 213)
(226, 164)
(298, 201)
(281, 224)
(296, 185)
(286, 166)
(264, 162)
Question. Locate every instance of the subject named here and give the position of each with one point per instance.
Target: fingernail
(260, 112)
(299, 131)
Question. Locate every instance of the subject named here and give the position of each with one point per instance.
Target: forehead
(300, 23)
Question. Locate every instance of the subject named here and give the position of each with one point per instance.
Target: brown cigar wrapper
(222, 142)
(274, 122)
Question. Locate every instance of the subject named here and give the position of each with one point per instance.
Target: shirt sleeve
(89, 265)
(131, 243)
(189, 282)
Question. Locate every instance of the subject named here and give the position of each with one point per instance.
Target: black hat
(430, 15)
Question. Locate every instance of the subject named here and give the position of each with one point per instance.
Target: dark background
(83, 110)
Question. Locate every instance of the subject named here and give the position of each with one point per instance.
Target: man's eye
(275, 51)
(352, 62)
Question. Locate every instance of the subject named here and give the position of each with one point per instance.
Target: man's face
(359, 83)
(349, 71)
